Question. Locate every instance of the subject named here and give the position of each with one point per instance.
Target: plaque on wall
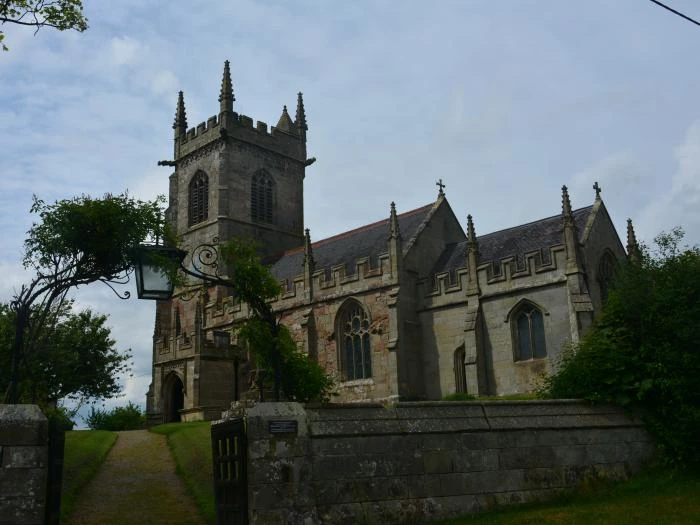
(284, 426)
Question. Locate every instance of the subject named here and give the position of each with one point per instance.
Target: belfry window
(528, 333)
(354, 342)
(198, 205)
(262, 198)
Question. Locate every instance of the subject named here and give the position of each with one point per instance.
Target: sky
(505, 101)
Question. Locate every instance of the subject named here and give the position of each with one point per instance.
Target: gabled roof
(348, 247)
(513, 242)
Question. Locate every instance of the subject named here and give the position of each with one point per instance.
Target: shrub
(60, 416)
(129, 417)
(644, 349)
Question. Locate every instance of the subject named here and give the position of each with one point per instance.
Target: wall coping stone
(23, 425)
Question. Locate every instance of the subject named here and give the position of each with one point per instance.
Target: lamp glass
(152, 281)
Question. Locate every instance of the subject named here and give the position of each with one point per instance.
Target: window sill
(531, 360)
(356, 382)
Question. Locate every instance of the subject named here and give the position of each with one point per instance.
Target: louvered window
(198, 208)
(262, 198)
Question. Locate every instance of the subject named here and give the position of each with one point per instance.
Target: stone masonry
(443, 310)
(411, 462)
(24, 439)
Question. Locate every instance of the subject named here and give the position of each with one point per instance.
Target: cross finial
(440, 185)
(597, 189)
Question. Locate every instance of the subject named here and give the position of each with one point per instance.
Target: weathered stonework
(24, 437)
(443, 306)
(412, 462)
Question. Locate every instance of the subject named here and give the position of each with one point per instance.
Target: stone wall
(412, 462)
(24, 437)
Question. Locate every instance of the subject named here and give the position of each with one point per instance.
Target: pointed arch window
(354, 342)
(198, 204)
(607, 266)
(528, 332)
(262, 198)
(460, 370)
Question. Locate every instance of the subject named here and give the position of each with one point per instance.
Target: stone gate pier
(24, 446)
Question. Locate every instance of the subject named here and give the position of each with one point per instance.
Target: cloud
(124, 50)
(503, 103)
(621, 173)
(678, 204)
(164, 82)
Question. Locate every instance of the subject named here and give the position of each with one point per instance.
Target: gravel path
(136, 484)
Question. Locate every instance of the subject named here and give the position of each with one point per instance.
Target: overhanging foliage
(75, 242)
(644, 350)
(57, 14)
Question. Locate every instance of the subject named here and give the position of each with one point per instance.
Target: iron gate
(229, 453)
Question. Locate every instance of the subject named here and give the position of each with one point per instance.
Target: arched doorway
(173, 398)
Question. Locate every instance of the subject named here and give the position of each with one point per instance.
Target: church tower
(235, 179)
(232, 179)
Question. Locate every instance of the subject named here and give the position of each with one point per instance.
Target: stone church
(409, 307)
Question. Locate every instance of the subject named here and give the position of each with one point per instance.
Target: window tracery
(606, 274)
(354, 342)
(528, 333)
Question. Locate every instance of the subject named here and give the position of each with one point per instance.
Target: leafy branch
(57, 14)
(75, 242)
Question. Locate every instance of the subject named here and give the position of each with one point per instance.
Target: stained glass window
(529, 333)
(355, 352)
(606, 274)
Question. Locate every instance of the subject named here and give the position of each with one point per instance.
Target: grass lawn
(650, 498)
(85, 451)
(190, 444)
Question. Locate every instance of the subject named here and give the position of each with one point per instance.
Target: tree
(73, 357)
(129, 417)
(644, 350)
(58, 14)
(270, 342)
(76, 242)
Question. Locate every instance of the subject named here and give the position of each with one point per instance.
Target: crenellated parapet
(495, 277)
(242, 128)
(336, 281)
(512, 268)
(288, 138)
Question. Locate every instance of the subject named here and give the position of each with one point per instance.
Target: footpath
(136, 484)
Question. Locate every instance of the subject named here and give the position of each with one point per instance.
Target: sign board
(285, 426)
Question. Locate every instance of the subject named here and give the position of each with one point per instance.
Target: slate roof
(513, 242)
(346, 248)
